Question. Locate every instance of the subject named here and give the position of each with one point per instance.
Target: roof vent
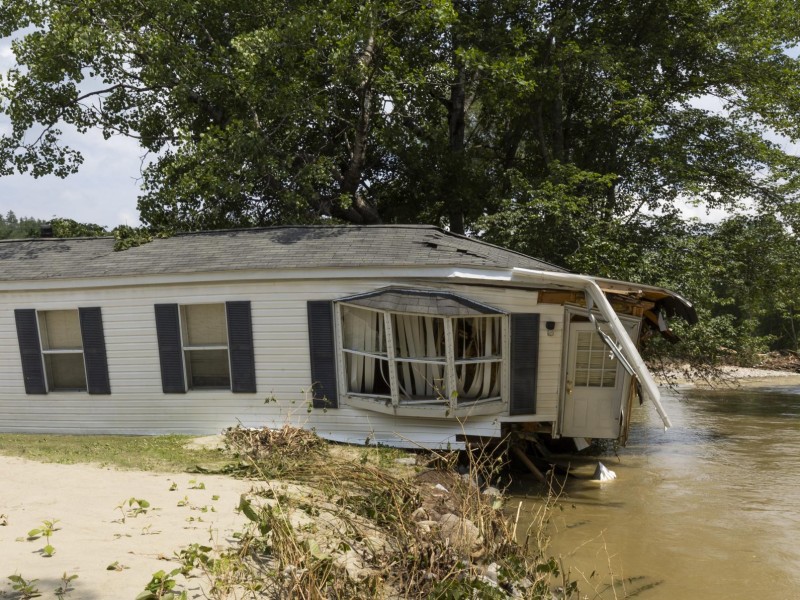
(46, 231)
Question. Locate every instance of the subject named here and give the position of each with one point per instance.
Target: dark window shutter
(94, 350)
(524, 363)
(170, 350)
(30, 351)
(240, 347)
(323, 354)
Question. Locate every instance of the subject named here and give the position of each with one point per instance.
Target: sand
(91, 535)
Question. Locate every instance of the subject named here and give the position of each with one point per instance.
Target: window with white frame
(421, 360)
(595, 365)
(62, 350)
(478, 357)
(205, 346)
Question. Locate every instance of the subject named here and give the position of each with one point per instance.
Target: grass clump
(167, 453)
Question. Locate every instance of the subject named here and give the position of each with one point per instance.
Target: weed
(133, 507)
(162, 586)
(196, 486)
(116, 566)
(3, 520)
(47, 529)
(25, 589)
(66, 586)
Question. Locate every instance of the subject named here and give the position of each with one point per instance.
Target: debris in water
(602, 473)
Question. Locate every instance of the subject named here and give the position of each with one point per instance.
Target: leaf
(48, 550)
(247, 509)
(315, 550)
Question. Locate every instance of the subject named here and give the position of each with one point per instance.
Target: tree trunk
(457, 128)
(360, 210)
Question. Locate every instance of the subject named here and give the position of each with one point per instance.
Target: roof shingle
(256, 249)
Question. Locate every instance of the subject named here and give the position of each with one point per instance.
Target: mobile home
(401, 335)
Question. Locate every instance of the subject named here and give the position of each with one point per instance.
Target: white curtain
(421, 338)
(363, 332)
(478, 337)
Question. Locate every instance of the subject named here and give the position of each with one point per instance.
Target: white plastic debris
(602, 473)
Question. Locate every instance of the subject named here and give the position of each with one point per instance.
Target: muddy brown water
(709, 509)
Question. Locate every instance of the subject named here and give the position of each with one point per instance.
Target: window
(62, 350)
(594, 363)
(365, 354)
(478, 358)
(422, 360)
(205, 346)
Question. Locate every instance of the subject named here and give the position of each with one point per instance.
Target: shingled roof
(256, 250)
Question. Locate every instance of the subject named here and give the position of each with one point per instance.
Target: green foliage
(63, 590)
(126, 236)
(47, 529)
(67, 228)
(443, 112)
(25, 588)
(741, 274)
(162, 587)
(133, 507)
(12, 227)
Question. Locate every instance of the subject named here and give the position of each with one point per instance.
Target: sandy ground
(91, 534)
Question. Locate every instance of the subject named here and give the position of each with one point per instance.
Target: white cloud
(104, 191)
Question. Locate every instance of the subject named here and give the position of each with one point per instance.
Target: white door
(594, 384)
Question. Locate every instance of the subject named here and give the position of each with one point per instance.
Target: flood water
(709, 509)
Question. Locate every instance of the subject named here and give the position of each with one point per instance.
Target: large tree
(543, 125)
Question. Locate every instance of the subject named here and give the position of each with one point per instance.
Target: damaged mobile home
(400, 335)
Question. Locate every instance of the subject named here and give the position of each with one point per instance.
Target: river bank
(292, 516)
(725, 376)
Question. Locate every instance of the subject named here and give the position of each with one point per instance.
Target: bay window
(421, 360)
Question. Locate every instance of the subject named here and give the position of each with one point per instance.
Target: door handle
(569, 387)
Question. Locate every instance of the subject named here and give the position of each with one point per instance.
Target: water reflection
(709, 509)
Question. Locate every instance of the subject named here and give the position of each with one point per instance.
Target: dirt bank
(731, 376)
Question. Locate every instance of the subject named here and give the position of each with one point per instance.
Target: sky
(104, 191)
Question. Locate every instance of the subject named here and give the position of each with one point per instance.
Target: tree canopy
(568, 129)
(548, 113)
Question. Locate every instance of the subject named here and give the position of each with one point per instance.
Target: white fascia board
(481, 275)
(116, 281)
(629, 350)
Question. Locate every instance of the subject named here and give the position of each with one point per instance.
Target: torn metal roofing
(257, 249)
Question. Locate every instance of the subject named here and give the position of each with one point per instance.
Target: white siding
(138, 405)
